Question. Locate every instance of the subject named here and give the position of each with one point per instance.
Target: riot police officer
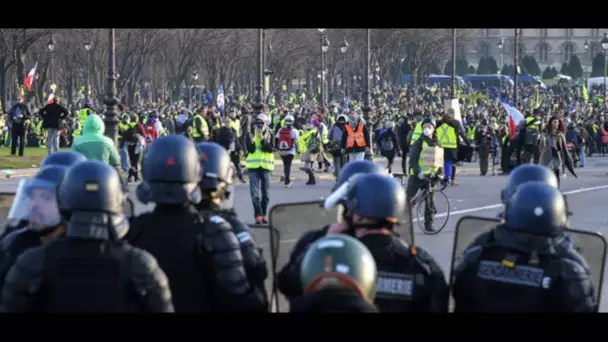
(339, 275)
(89, 269)
(202, 258)
(62, 158)
(218, 199)
(35, 204)
(523, 264)
(523, 174)
(409, 279)
(288, 279)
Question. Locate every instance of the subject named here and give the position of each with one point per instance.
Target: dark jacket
(25, 111)
(12, 246)
(148, 291)
(226, 136)
(203, 260)
(289, 276)
(52, 114)
(390, 134)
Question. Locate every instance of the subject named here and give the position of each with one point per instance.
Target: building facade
(549, 46)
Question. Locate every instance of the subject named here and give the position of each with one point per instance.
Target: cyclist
(421, 171)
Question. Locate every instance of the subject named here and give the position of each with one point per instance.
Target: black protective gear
(537, 208)
(527, 173)
(332, 300)
(216, 165)
(202, 258)
(77, 275)
(65, 158)
(356, 167)
(339, 260)
(376, 196)
(172, 171)
(509, 271)
(91, 197)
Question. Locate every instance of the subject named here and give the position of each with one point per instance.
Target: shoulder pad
(10, 238)
(426, 260)
(573, 270)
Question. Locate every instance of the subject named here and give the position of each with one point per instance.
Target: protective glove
(421, 176)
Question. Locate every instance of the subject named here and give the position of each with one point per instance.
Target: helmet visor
(36, 203)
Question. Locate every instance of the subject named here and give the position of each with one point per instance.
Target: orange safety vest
(604, 136)
(353, 137)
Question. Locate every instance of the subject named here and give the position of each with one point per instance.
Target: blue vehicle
(485, 81)
(435, 79)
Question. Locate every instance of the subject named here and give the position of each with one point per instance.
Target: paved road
(474, 195)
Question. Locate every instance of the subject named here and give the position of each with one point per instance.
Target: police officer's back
(409, 279)
(523, 265)
(202, 258)
(35, 204)
(338, 274)
(89, 269)
(288, 277)
(218, 200)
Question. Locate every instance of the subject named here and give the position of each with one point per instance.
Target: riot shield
(268, 240)
(591, 246)
(292, 220)
(6, 201)
(468, 228)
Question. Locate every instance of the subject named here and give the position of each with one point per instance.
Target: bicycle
(423, 196)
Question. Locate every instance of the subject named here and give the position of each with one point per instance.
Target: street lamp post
(453, 63)
(111, 121)
(343, 49)
(366, 92)
(51, 45)
(515, 66)
(605, 48)
(87, 47)
(324, 45)
(376, 74)
(501, 47)
(193, 89)
(258, 106)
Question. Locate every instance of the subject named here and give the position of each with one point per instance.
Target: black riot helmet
(372, 196)
(216, 165)
(91, 196)
(354, 168)
(65, 158)
(171, 172)
(537, 208)
(527, 173)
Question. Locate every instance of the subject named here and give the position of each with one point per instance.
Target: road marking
(483, 208)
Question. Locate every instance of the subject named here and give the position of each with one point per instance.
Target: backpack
(151, 132)
(313, 143)
(387, 143)
(285, 139)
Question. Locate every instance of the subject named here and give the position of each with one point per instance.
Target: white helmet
(289, 119)
(263, 117)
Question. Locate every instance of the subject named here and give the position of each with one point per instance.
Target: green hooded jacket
(94, 145)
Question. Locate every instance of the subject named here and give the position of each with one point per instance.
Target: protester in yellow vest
(420, 169)
(447, 137)
(260, 163)
(200, 128)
